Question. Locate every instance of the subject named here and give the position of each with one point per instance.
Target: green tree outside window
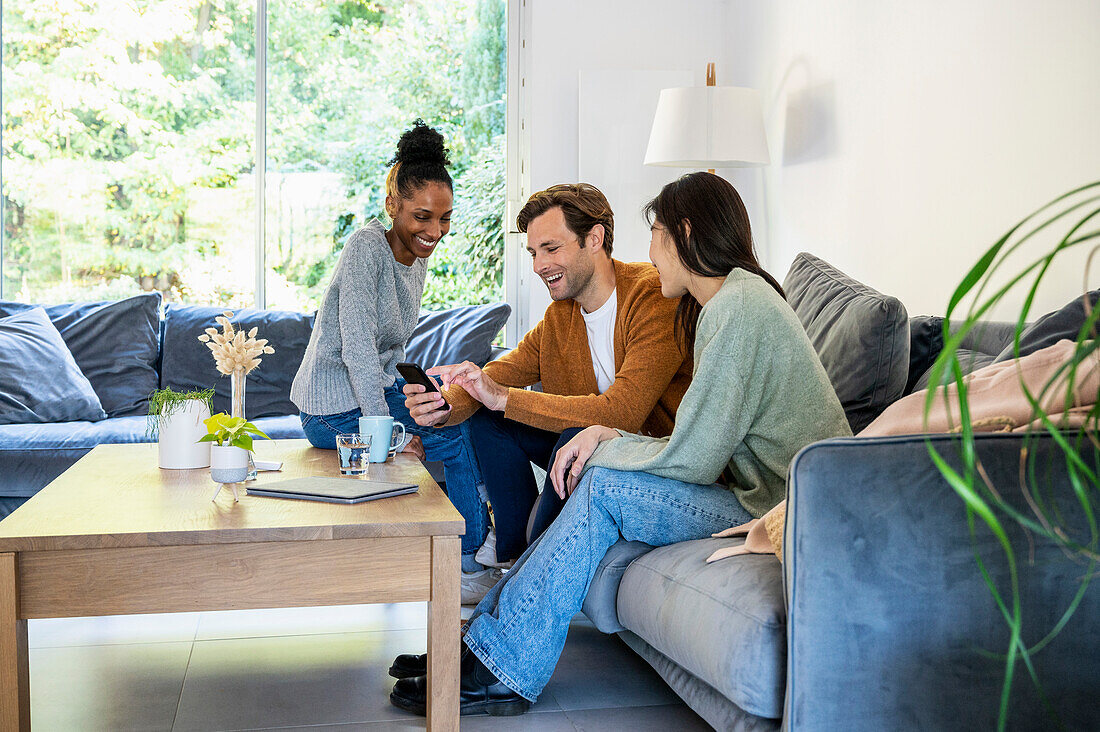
(129, 133)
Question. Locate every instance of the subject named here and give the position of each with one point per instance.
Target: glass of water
(354, 451)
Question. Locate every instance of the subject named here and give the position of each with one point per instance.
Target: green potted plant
(1065, 223)
(232, 438)
(176, 420)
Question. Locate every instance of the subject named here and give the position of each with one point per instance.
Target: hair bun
(421, 144)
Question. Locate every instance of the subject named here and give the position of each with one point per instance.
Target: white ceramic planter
(179, 448)
(228, 464)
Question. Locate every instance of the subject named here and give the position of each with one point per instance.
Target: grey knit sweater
(759, 394)
(368, 314)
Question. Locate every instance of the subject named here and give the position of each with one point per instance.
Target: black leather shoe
(480, 692)
(408, 665)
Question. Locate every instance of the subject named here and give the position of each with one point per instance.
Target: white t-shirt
(600, 325)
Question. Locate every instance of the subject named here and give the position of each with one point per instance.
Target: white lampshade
(708, 127)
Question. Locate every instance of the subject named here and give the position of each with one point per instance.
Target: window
(131, 138)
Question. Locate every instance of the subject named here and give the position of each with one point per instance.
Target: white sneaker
(475, 585)
(487, 553)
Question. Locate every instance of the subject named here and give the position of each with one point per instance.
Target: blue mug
(386, 436)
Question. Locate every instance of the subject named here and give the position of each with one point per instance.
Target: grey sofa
(129, 347)
(876, 618)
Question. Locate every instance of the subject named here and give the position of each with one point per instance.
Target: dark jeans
(504, 450)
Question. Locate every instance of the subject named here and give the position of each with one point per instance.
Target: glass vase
(236, 409)
(236, 395)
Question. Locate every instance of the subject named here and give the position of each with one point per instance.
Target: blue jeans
(519, 629)
(463, 483)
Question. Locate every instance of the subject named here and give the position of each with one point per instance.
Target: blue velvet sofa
(878, 617)
(130, 347)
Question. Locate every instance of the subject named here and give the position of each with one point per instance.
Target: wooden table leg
(443, 635)
(15, 687)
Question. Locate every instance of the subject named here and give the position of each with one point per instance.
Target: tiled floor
(305, 669)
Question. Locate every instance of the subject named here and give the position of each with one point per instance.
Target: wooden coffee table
(115, 535)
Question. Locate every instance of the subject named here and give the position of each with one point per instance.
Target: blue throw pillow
(114, 343)
(186, 363)
(456, 335)
(39, 379)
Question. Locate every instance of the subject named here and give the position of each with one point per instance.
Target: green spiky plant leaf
(1074, 219)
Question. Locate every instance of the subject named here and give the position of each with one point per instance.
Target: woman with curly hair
(367, 316)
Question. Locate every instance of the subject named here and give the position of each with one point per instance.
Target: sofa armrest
(887, 610)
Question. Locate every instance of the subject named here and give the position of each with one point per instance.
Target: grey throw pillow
(456, 335)
(976, 350)
(861, 336)
(1052, 327)
(39, 379)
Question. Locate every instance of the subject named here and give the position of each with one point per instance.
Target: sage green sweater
(758, 395)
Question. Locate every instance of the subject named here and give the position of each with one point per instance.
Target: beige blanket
(996, 398)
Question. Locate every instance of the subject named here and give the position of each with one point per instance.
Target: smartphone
(413, 374)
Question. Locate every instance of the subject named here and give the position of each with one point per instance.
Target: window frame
(518, 174)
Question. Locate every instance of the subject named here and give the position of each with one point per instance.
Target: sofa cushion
(861, 335)
(75, 434)
(115, 345)
(186, 362)
(286, 427)
(600, 604)
(39, 380)
(456, 335)
(718, 711)
(724, 622)
(1064, 323)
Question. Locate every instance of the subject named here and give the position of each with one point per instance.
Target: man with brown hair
(605, 353)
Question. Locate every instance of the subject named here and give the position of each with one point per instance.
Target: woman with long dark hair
(758, 395)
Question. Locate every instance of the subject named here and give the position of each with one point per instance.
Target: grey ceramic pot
(228, 464)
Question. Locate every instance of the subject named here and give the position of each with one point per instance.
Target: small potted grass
(176, 420)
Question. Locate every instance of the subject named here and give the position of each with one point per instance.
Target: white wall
(570, 36)
(906, 137)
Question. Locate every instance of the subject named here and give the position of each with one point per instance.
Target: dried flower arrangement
(234, 350)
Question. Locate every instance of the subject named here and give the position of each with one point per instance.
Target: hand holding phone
(426, 407)
(413, 374)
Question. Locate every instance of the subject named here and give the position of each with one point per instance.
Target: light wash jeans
(519, 629)
(450, 444)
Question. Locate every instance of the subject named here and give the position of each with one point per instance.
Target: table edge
(320, 532)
